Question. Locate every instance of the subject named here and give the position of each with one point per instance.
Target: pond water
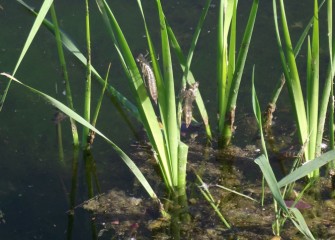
(37, 189)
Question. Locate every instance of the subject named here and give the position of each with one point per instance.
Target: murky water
(37, 189)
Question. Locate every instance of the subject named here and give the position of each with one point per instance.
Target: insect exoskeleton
(148, 76)
(189, 96)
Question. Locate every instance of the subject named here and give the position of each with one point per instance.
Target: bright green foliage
(291, 213)
(310, 118)
(145, 107)
(263, 162)
(171, 153)
(165, 141)
(229, 73)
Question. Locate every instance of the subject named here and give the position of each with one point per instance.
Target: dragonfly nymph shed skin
(148, 75)
(188, 97)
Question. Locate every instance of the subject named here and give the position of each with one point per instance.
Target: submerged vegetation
(164, 106)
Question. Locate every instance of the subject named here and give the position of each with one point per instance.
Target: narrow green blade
(307, 168)
(36, 26)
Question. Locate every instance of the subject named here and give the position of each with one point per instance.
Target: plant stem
(182, 162)
(65, 73)
(268, 115)
(87, 103)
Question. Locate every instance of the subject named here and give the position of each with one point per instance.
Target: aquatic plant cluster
(165, 112)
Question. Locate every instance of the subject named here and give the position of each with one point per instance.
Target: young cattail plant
(282, 211)
(229, 71)
(155, 88)
(310, 118)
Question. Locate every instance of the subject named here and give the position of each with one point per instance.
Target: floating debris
(121, 213)
(148, 75)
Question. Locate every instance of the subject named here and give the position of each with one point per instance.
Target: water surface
(34, 185)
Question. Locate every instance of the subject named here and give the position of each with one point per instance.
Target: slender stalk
(331, 42)
(91, 135)
(89, 174)
(326, 97)
(235, 192)
(231, 53)
(209, 198)
(313, 88)
(271, 107)
(89, 162)
(60, 142)
(194, 42)
(97, 109)
(332, 99)
(331, 127)
(72, 194)
(182, 163)
(65, 73)
(87, 103)
(277, 219)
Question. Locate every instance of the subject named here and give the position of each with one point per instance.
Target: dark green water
(34, 184)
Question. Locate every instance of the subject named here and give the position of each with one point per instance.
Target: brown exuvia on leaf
(148, 75)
